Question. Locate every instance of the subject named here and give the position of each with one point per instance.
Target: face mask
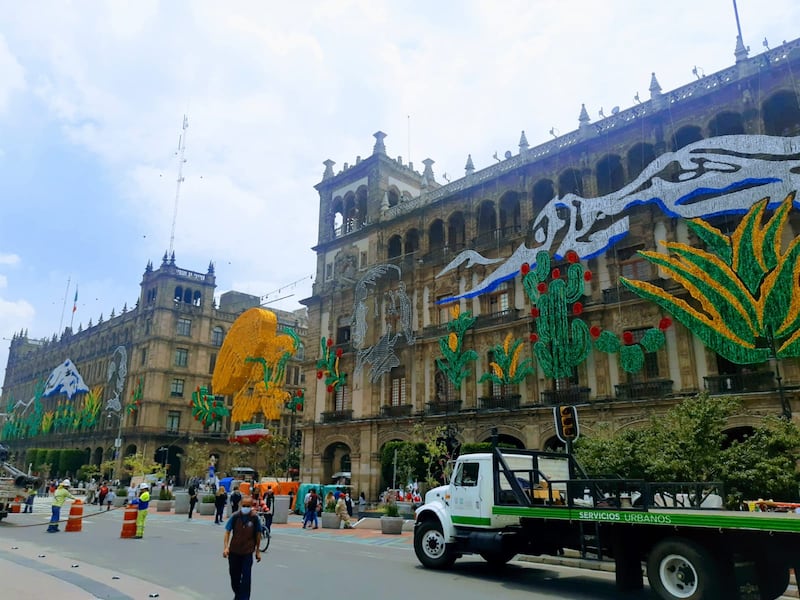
(246, 510)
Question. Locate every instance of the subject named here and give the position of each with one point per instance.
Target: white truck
(511, 502)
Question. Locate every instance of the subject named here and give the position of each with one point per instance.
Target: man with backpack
(242, 540)
(236, 498)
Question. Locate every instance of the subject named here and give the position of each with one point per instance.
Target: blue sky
(92, 95)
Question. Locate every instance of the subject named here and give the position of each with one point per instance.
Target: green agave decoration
(745, 291)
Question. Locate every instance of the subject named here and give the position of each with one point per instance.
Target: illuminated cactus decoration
(455, 361)
(206, 408)
(136, 398)
(631, 355)
(328, 366)
(559, 344)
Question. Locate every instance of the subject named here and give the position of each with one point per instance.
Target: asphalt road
(184, 559)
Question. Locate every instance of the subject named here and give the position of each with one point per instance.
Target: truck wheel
(773, 578)
(499, 558)
(431, 548)
(682, 570)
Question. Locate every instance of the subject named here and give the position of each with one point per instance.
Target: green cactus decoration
(206, 407)
(455, 361)
(328, 366)
(560, 343)
(631, 355)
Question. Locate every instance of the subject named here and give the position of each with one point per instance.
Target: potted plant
(391, 521)
(120, 496)
(164, 502)
(207, 506)
(330, 520)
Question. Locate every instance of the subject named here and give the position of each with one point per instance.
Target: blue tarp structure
(322, 491)
(226, 483)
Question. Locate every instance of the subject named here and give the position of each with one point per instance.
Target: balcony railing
(499, 402)
(573, 395)
(401, 410)
(655, 388)
(442, 407)
(337, 416)
(755, 381)
(504, 316)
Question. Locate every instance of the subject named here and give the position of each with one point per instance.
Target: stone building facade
(168, 343)
(397, 248)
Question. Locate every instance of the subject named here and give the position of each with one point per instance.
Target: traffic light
(567, 423)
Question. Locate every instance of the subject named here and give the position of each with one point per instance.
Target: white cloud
(9, 259)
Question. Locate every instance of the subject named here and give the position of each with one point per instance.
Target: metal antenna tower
(181, 153)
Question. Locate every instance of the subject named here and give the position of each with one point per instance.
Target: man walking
(144, 504)
(311, 509)
(242, 539)
(192, 497)
(59, 497)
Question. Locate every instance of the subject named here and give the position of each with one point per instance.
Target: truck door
(465, 502)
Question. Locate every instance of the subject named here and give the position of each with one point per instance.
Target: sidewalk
(28, 567)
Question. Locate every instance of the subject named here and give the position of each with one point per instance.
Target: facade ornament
(523, 142)
(379, 147)
(469, 168)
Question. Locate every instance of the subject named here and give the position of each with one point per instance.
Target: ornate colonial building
(398, 250)
(128, 381)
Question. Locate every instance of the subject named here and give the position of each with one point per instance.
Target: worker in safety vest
(59, 497)
(144, 503)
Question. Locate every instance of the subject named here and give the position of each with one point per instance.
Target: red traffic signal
(567, 423)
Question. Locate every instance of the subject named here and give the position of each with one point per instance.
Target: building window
(213, 427)
(181, 357)
(212, 362)
(143, 356)
(632, 265)
(343, 335)
(340, 399)
(328, 271)
(176, 388)
(499, 299)
(173, 421)
(398, 386)
(301, 352)
(217, 336)
(445, 390)
(649, 370)
(148, 325)
(362, 261)
(443, 310)
(184, 327)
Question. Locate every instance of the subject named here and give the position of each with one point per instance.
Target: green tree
(240, 455)
(272, 449)
(195, 459)
(70, 461)
(138, 465)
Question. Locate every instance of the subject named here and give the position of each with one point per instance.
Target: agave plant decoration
(507, 368)
(746, 290)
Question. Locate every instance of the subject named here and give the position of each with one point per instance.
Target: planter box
(206, 508)
(119, 501)
(330, 520)
(163, 505)
(392, 525)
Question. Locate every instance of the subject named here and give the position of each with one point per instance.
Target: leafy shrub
(392, 510)
(165, 494)
(208, 499)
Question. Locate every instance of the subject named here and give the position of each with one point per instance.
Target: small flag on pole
(75, 303)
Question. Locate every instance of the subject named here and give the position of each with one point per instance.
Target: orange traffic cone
(129, 521)
(75, 520)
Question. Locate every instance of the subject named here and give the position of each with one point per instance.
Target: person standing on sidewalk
(30, 494)
(242, 539)
(59, 497)
(219, 502)
(144, 504)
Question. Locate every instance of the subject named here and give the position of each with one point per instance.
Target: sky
(93, 95)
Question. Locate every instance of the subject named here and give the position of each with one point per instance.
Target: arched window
(187, 296)
(395, 247)
(456, 232)
(178, 297)
(570, 182)
(510, 216)
(394, 197)
(412, 241)
(217, 336)
(436, 235)
(609, 174)
(685, 136)
(487, 219)
(196, 298)
(543, 192)
(781, 114)
(639, 156)
(726, 123)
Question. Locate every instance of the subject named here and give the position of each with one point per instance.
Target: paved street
(181, 560)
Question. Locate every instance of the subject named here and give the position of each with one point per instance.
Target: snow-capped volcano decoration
(65, 379)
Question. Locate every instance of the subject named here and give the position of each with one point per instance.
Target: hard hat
(66, 483)
(144, 486)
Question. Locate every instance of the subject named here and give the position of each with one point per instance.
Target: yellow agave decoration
(506, 368)
(745, 291)
(253, 357)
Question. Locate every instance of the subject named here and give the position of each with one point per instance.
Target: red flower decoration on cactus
(577, 308)
(534, 337)
(556, 273)
(587, 275)
(594, 331)
(542, 287)
(572, 256)
(213, 415)
(535, 312)
(330, 388)
(299, 393)
(339, 353)
(319, 374)
(627, 337)
(329, 343)
(664, 323)
(525, 268)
